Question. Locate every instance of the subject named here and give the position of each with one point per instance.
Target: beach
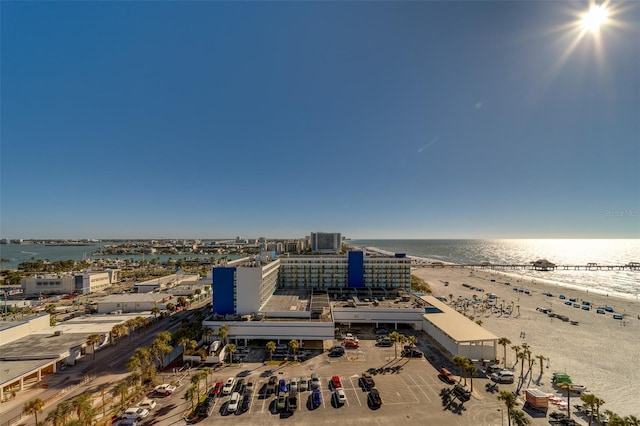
(598, 352)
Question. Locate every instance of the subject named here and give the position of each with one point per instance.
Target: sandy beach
(599, 352)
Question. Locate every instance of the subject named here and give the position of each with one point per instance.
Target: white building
(132, 302)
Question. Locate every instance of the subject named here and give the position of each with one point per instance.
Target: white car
(304, 384)
(135, 413)
(228, 386)
(233, 402)
(165, 389)
(341, 397)
(149, 404)
(293, 384)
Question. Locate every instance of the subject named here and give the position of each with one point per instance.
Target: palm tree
(567, 387)
(33, 407)
(271, 348)
(208, 333)
(598, 403)
(184, 341)
(516, 349)
(590, 400)
(155, 311)
(92, 340)
(541, 358)
(521, 357)
(509, 401)
(471, 371)
(65, 408)
(461, 362)
(122, 389)
(81, 403)
(195, 381)
(519, 418)
(191, 394)
(207, 371)
(232, 348)
(223, 332)
(294, 345)
(395, 338)
(504, 342)
(159, 348)
(118, 330)
(632, 420)
(412, 340)
(55, 417)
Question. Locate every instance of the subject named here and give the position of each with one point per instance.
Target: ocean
(624, 283)
(561, 252)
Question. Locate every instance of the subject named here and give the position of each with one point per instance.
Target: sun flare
(595, 18)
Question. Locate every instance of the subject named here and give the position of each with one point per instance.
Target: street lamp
(501, 416)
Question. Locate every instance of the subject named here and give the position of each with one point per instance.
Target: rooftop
(454, 324)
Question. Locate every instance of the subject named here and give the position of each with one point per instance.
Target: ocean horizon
(624, 283)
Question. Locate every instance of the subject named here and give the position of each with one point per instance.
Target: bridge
(631, 266)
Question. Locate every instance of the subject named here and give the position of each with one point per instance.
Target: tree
(81, 404)
(471, 371)
(195, 381)
(510, 402)
(590, 400)
(519, 418)
(184, 342)
(541, 358)
(208, 333)
(122, 389)
(567, 387)
(504, 342)
(598, 402)
(412, 340)
(207, 371)
(632, 420)
(460, 362)
(223, 332)
(271, 348)
(118, 330)
(33, 407)
(55, 417)
(516, 349)
(395, 338)
(92, 341)
(155, 311)
(294, 345)
(232, 348)
(191, 394)
(65, 408)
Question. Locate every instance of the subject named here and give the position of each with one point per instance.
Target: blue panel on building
(356, 269)
(223, 288)
(400, 255)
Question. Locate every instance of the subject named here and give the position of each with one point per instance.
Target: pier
(631, 266)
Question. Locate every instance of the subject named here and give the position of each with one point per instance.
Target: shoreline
(596, 352)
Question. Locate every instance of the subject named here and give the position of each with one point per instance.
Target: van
(503, 376)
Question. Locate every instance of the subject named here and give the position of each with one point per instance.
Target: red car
(351, 344)
(335, 382)
(216, 389)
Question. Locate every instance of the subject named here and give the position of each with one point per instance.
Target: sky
(435, 119)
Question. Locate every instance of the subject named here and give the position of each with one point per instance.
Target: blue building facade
(223, 286)
(355, 277)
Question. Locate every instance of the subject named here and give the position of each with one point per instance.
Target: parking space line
(409, 388)
(420, 388)
(355, 391)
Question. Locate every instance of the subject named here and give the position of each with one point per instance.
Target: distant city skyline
(399, 120)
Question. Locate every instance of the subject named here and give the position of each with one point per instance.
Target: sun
(595, 18)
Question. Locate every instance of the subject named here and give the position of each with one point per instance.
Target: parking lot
(410, 389)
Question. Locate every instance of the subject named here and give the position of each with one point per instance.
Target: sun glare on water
(594, 18)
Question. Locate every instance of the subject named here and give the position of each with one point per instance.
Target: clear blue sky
(374, 119)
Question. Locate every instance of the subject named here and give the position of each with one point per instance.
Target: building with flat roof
(325, 242)
(132, 302)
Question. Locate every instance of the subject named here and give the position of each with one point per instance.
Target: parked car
(246, 402)
(316, 397)
(315, 381)
(148, 404)
(303, 384)
(271, 385)
(282, 386)
(447, 376)
(233, 402)
(384, 342)
(366, 381)
(164, 389)
(351, 344)
(239, 386)
(462, 392)
(493, 368)
(411, 353)
(336, 382)
(293, 384)
(281, 401)
(216, 389)
(374, 397)
(126, 422)
(135, 413)
(228, 386)
(341, 397)
(503, 376)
